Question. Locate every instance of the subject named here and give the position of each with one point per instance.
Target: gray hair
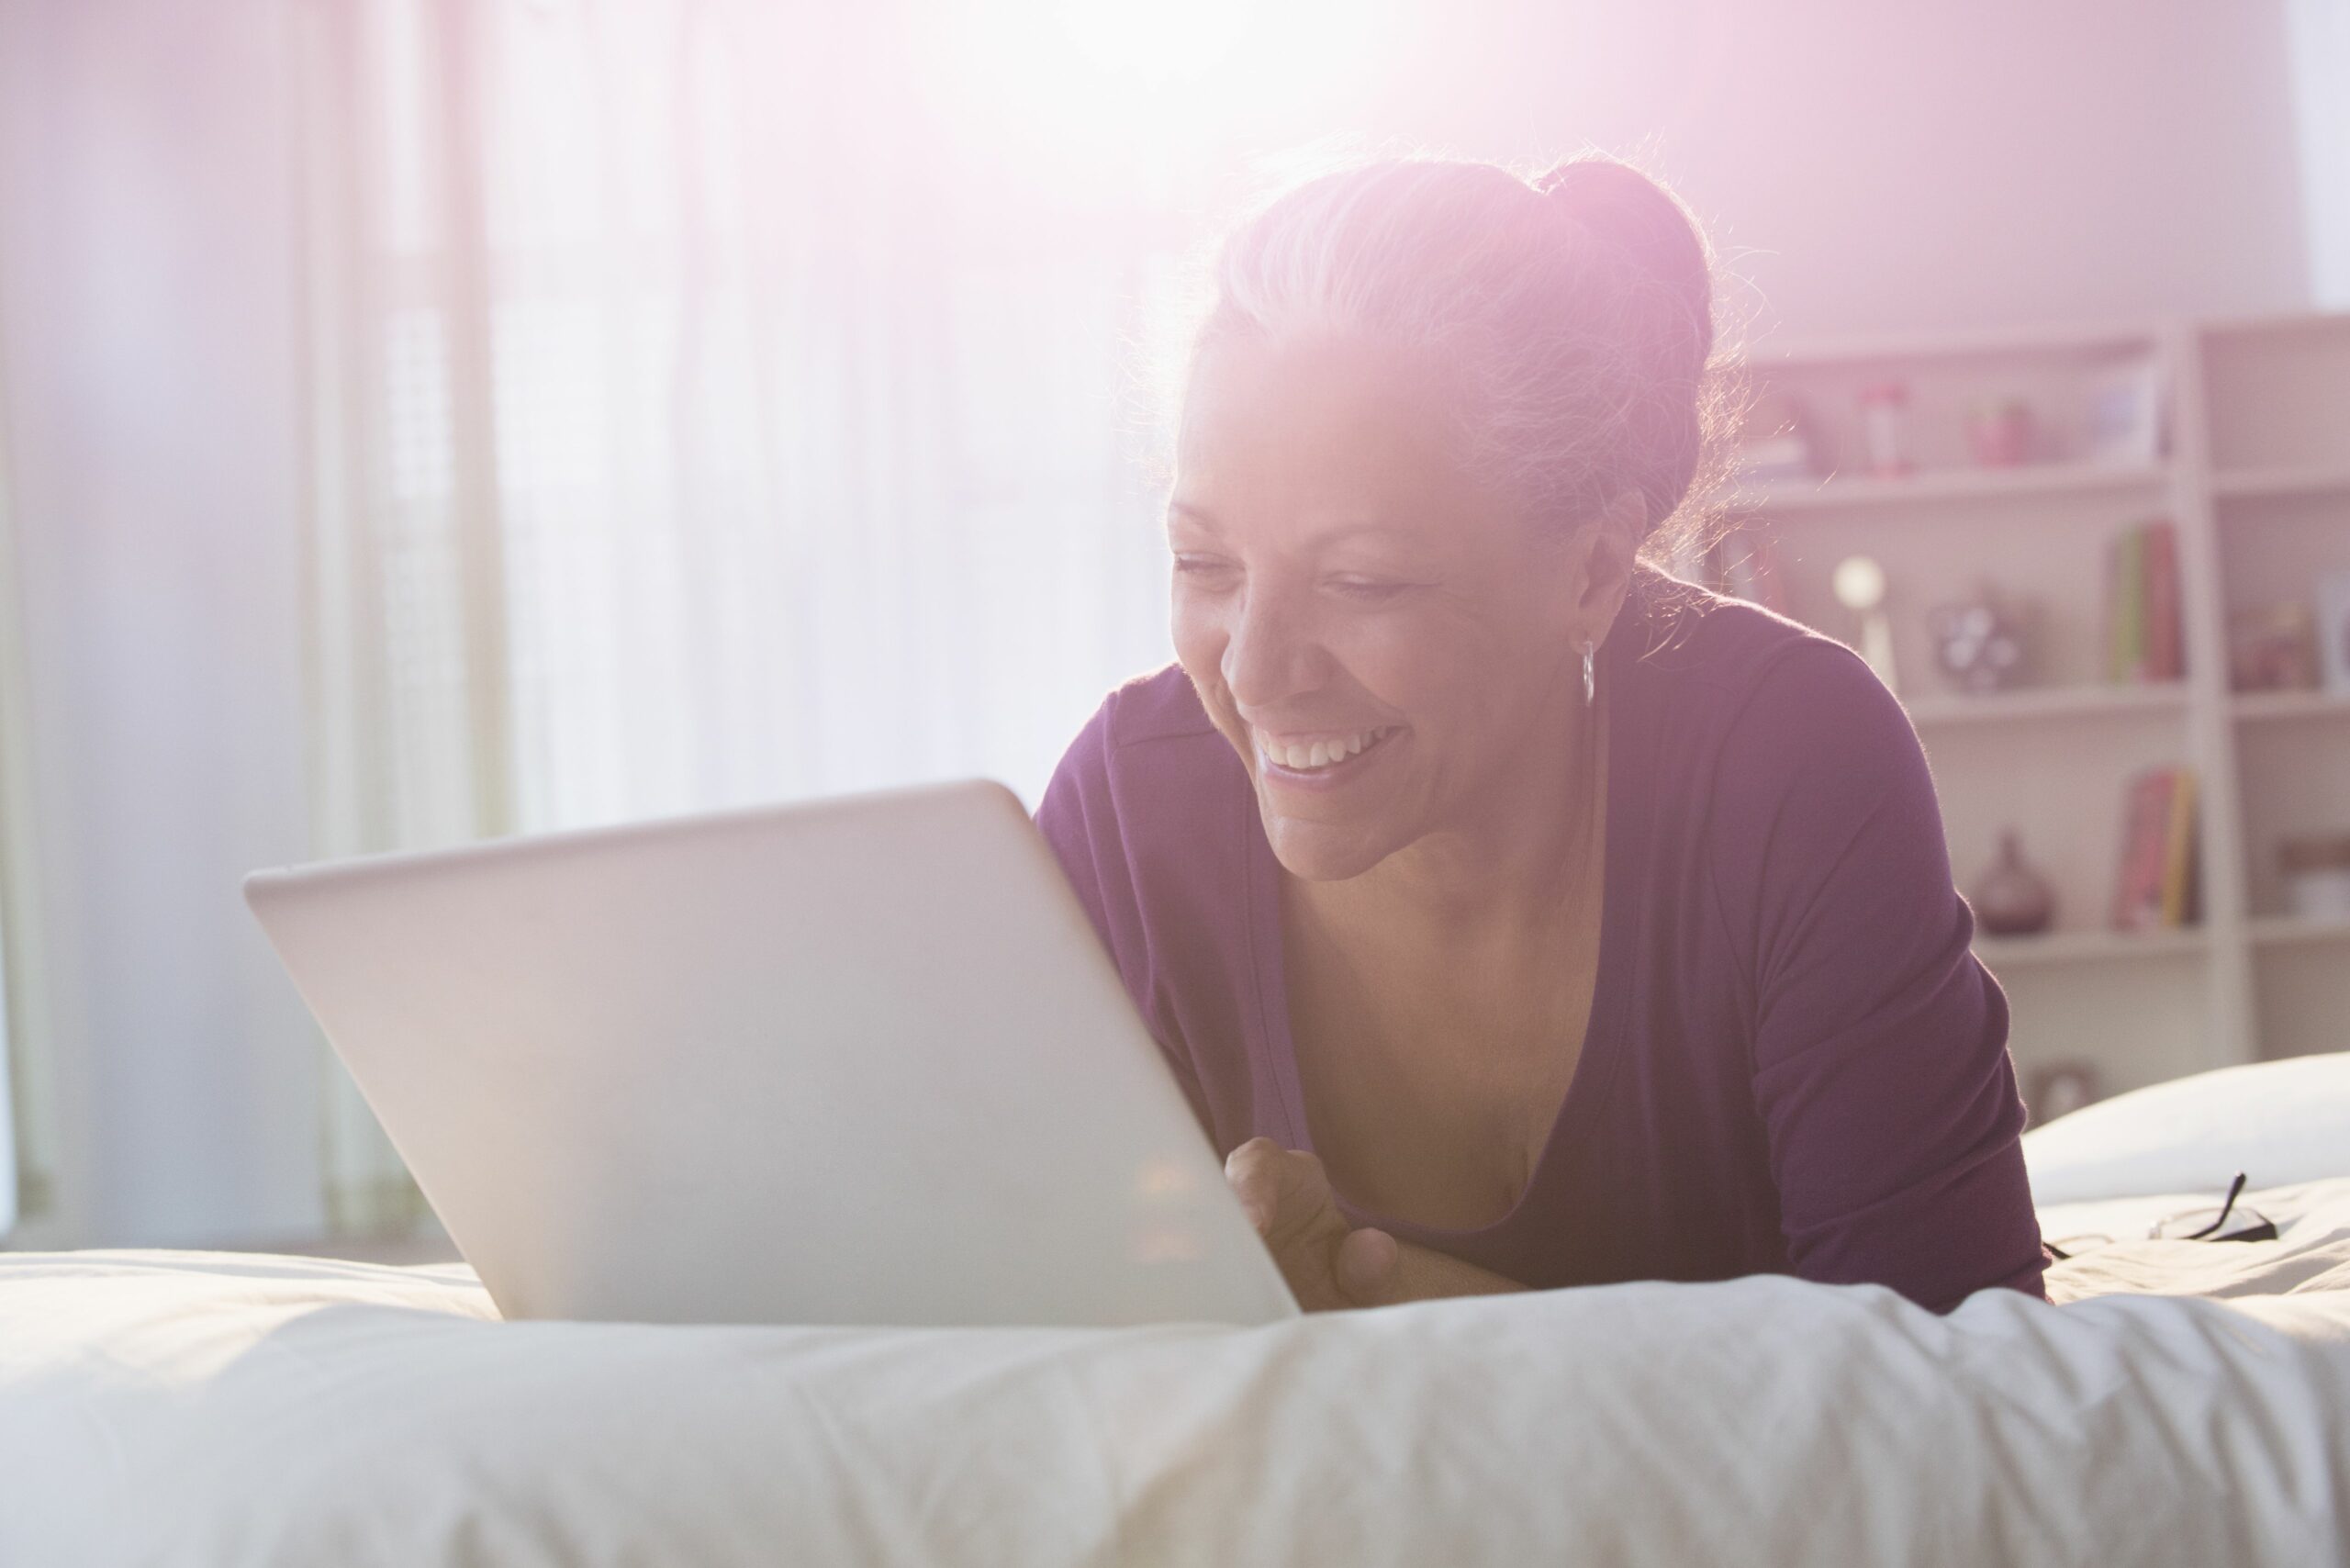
(1575, 308)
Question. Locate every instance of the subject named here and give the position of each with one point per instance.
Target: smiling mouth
(1322, 755)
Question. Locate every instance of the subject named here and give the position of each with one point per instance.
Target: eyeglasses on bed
(2215, 1224)
(2226, 1222)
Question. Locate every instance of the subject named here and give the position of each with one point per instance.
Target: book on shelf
(2144, 642)
(2121, 606)
(2179, 901)
(2159, 582)
(2156, 886)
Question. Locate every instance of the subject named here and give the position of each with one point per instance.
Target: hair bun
(1635, 216)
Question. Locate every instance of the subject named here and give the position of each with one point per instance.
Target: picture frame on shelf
(2126, 414)
(2333, 627)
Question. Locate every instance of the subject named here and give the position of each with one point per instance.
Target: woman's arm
(1422, 1274)
(1880, 1044)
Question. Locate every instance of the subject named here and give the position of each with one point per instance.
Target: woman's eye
(1368, 588)
(1200, 566)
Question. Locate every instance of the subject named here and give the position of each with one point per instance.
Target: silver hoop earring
(1590, 682)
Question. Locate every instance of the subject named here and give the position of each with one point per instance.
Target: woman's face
(1384, 644)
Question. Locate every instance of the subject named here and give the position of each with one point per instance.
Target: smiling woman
(1513, 913)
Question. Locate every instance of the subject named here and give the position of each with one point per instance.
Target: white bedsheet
(213, 1408)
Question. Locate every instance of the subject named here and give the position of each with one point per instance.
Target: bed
(2181, 1404)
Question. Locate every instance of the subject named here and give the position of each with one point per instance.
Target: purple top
(1793, 1062)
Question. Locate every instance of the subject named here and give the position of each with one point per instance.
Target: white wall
(1876, 166)
(145, 272)
(1868, 166)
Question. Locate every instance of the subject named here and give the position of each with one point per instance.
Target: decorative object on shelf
(2156, 883)
(2060, 1088)
(1884, 420)
(2012, 898)
(2142, 603)
(1979, 642)
(2317, 876)
(2273, 647)
(1858, 585)
(2002, 432)
(2126, 414)
(2333, 631)
(1775, 442)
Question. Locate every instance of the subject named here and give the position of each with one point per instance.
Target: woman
(1513, 914)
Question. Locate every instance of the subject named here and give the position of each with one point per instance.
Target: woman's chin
(1321, 851)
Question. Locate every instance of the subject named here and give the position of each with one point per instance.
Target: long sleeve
(1880, 1064)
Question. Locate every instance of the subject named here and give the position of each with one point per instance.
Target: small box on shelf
(2315, 870)
(2273, 647)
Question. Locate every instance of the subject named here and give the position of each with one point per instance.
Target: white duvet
(211, 1408)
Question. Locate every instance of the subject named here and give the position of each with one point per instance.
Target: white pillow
(2278, 1122)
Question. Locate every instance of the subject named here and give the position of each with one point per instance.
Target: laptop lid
(854, 1061)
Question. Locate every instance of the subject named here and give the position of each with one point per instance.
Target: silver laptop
(861, 1061)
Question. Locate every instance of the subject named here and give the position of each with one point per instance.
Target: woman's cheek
(1396, 655)
(1199, 641)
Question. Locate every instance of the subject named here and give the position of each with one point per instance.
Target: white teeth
(1319, 753)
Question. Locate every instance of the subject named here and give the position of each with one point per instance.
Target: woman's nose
(1271, 653)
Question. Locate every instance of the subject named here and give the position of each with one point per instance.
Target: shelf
(2022, 482)
(2004, 343)
(2252, 706)
(2256, 481)
(2047, 702)
(2272, 324)
(2088, 946)
(2286, 480)
(2282, 929)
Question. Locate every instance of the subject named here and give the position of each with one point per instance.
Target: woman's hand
(1328, 1264)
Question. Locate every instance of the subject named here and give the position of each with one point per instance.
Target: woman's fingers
(1367, 1267)
(1282, 1189)
(1287, 1196)
(1254, 1173)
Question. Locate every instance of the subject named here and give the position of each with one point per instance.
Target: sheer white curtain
(686, 433)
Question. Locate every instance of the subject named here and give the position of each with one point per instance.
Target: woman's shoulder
(1748, 707)
(1141, 724)
(1706, 648)
(1149, 812)
(1161, 705)
(1149, 752)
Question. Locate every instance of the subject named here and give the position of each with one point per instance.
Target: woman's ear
(1604, 551)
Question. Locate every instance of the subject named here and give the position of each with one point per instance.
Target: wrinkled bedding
(2182, 1405)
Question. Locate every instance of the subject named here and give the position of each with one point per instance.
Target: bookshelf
(2243, 444)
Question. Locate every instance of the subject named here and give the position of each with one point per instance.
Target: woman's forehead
(1317, 383)
(1350, 427)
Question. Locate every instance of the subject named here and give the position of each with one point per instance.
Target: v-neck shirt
(1793, 1060)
